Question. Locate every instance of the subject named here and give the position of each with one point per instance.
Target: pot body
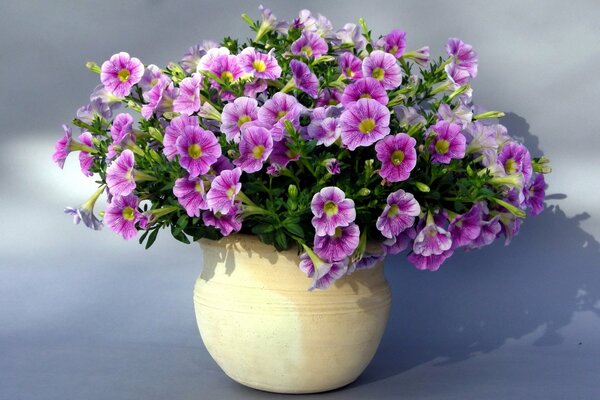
(266, 330)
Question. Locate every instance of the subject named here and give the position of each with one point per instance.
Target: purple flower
(62, 148)
(395, 43)
(365, 88)
(251, 89)
(96, 108)
(188, 100)
(122, 214)
(383, 67)
(172, 133)
(332, 166)
(515, 158)
(488, 233)
(325, 131)
(466, 228)
(350, 65)
(122, 128)
(206, 61)
(534, 194)
(226, 67)
(431, 262)
(120, 175)
(282, 155)
(281, 107)
(198, 149)
(367, 261)
(223, 189)
(309, 44)
(448, 142)
(350, 36)
(306, 265)
(432, 239)
(399, 214)
(399, 243)
(331, 210)
(235, 115)
(261, 65)
(397, 155)
(160, 98)
(304, 79)
(152, 75)
(225, 223)
(192, 57)
(120, 73)
(329, 97)
(420, 56)
(409, 116)
(221, 165)
(463, 67)
(328, 273)
(255, 147)
(190, 193)
(338, 246)
(363, 123)
(85, 159)
(462, 115)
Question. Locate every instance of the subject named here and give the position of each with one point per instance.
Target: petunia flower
(160, 98)
(255, 147)
(85, 213)
(236, 114)
(461, 115)
(282, 155)
(304, 78)
(66, 145)
(397, 155)
(365, 88)
(383, 67)
(363, 123)
(399, 214)
(96, 108)
(534, 194)
(261, 65)
(350, 36)
(395, 43)
(332, 166)
(173, 131)
(227, 68)
(466, 228)
(252, 88)
(120, 73)
(188, 99)
(448, 142)
(206, 61)
(278, 109)
(309, 44)
(225, 223)
(122, 214)
(430, 262)
(463, 67)
(432, 239)
(223, 189)
(198, 149)
(331, 209)
(409, 115)
(192, 56)
(324, 274)
(350, 65)
(325, 131)
(122, 129)
(86, 159)
(515, 158)
(420, 56)
(120, 174)
(367, 261)
(152, 75)
(489, 230)
(400, 242)
(191, 193)
(329, 97)
(341, 244)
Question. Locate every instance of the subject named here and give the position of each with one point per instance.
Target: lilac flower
(220, 165)
(281, 107)
(269, 23)
(365, 88)
(515, 158)
(332, 166)
(331, 209)
(251, 89)
(363, 123)
(255, 147)
(188, 100)
(338, 246)
(395, 43)
(304, 79)
(466, 228)
(261, 65)
(326, 131)
(160, 98)
(510, 226)
(420, 56)
(350, 65)
(488, 233)
(432, 239)
(480, 137)
(350, 36)
(399, 243)
(85, 213)
(282, 155)
(225, 223)
(122, 214)
(105, 96)
(309, 44)
(448, 142)
(223, 189)
(461, 115)
(172, 133)
(192, 57)
(236, 114)
(383, 67)
(207, 60)
(120, 174)
(306, 265)
(190, 193)
(329, 97)
(152, 75)
(307, 22)
(408, 115)
(198, 149)
(62, 148)
(367, 261)
(431, 262)
(227, 68)
(85, 159)
(96, 108)
(328, 273)
(399, 214)
(463, 67)
(534, 194)
(120, 73)
(397, 155)
(122, 129)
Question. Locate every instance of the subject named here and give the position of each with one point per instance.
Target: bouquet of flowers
(308, 137)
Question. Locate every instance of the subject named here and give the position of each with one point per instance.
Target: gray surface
(86, 315)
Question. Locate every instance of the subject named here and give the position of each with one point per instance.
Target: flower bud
(364, 192)
(293, 191)
(422, 187)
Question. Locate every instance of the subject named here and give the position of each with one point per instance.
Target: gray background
(86, 315)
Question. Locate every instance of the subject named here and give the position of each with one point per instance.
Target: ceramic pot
(266, 330)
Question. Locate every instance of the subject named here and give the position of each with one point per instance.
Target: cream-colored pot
(267, 331)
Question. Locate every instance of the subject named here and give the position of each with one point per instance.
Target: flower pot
(267, 331)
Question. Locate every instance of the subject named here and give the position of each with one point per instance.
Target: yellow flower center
(393, 50)
(124, 75)
(199, 188)
(231, 193)
(393, 211)
(365, 96)
(243, 119)
(153, 82)
(128, 214)
(510, 166)
(227, 76)
(397, 157)
(378, 73)
(366, 125)
(307, 50)
(281, 114)
(349, 72)
(195, 151)
(442, 146)
(330, 208)
(259, 65)
(258, 151)
(338, 232)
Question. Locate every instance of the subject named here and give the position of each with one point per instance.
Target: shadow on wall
(478, 300)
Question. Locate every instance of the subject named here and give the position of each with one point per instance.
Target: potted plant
(300, 159)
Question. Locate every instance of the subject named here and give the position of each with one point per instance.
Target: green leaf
(262, 228)
(143, 236)
(152, 238)
(280, 240)
(295, 230)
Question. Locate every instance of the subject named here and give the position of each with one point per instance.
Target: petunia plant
(308, 137)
